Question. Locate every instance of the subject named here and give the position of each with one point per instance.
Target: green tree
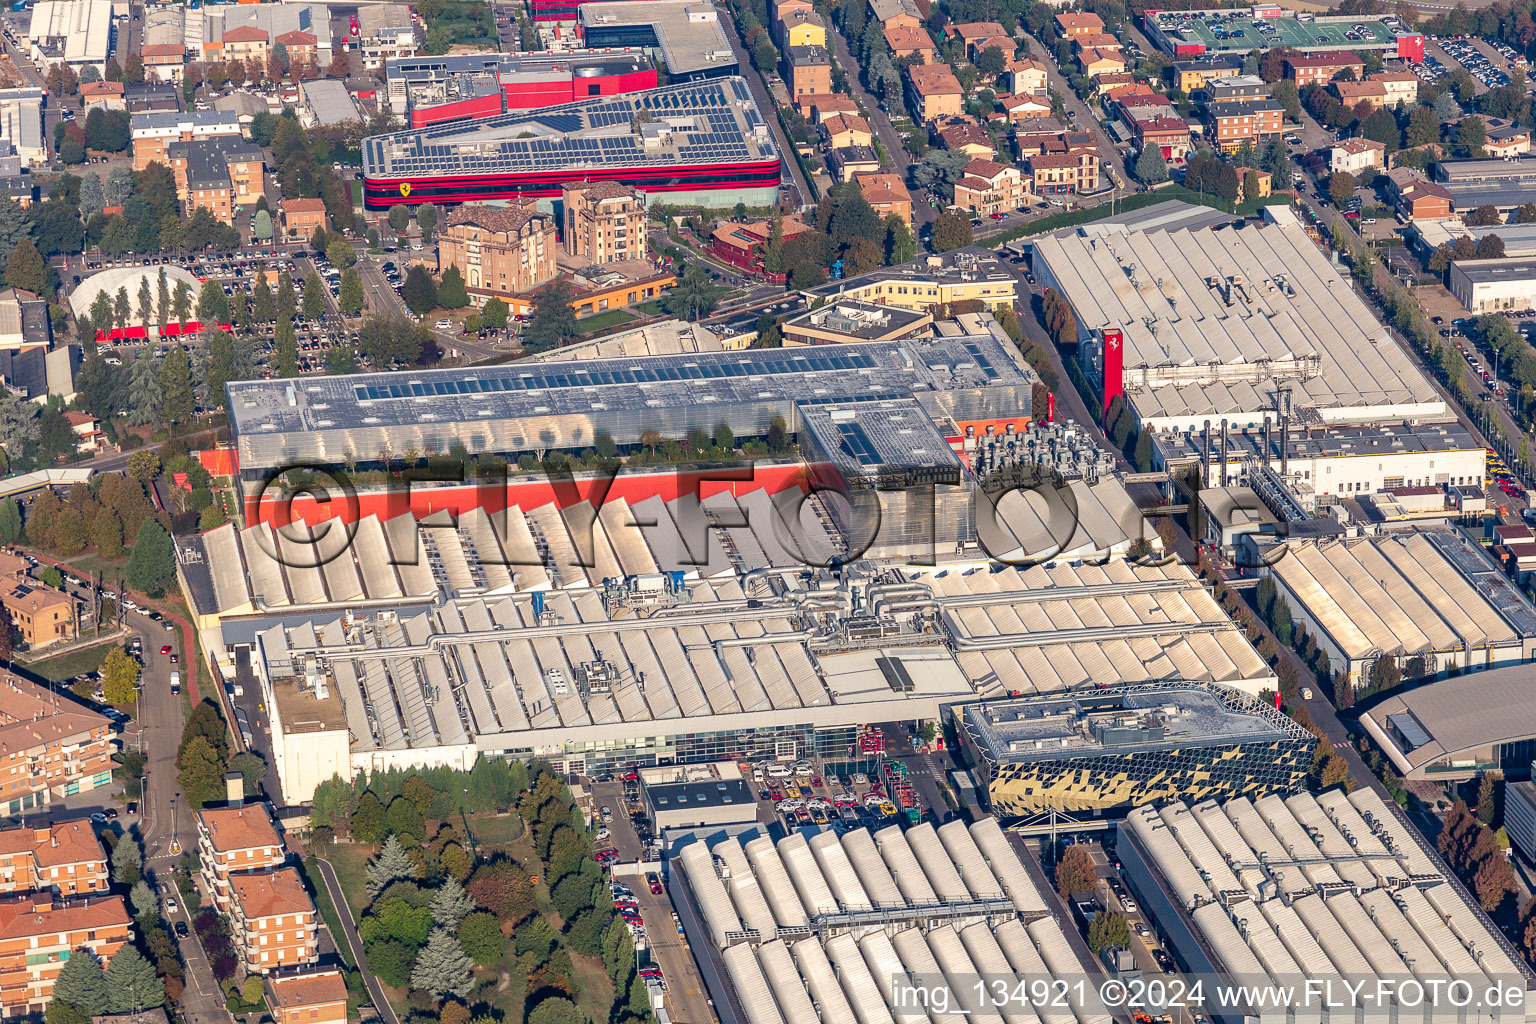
(391, 961)
(313, 306)
(443, 968)
(1109, 931)
(451, 904)
(285, 349)
(399, 217)
(261, 226)
(392, 862)
(450, 290)
(340, 252)
(393, 917)
(152, 563)
(951, 231)
(127, 861)
(350, 295)
(494, 314)
(212, 305)
(1341, 187)
(554, 319)
(144, 900)
(10, 521)
(368, 822)
(131, 981)
(80, 982)
(201, 774)
(694, 296)
(176, 386)
(426, 219)
(1489, 792)
(119, 678)
(1471, 137)
(900, 246)
(25, 269)
(1151, 168)
(419, 290)
(480, 936)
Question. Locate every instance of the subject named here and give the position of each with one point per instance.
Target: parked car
(653, 881)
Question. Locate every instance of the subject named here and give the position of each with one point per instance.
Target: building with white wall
(1492, 286)
(72, 32)
(21, 123)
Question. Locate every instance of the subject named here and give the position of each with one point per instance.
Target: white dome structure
(110, 281)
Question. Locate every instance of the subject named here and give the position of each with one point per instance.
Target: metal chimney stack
(1223, 452)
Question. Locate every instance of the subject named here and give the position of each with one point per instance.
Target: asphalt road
(354, 941)
(765, 104)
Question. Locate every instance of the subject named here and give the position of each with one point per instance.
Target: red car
(818, 781)
(166, 649)
(652, 880)
(997, 216)
(631, 916)
(650, 972)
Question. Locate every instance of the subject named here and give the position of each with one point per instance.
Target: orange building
(48, 747)
(307, 996)
(1075, 23)
(273, 919)
(41, 614)
(65, 858)
(301, 216)
(37, 934)
(906, 41)
(886, 194)
(231, 840)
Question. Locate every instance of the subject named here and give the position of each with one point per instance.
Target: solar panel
(857, 444)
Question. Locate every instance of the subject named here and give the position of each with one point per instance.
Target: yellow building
(802, 28)
(929, 281)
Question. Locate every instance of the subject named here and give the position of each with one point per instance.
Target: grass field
(490, 830)
(605, 320)
(67, 666)
(351, 864)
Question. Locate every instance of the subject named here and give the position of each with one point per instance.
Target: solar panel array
(632, 375)
(710, 123)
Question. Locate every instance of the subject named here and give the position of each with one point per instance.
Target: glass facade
(834, 744)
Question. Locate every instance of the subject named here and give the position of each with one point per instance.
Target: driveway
(354, 942)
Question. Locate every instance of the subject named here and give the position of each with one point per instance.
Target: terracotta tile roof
(1098, 40)
(309, 988)
(965, 135)
(68, 842)
(1076, 21)
(597, 191)
(883, 188)
(1046, 160)
(298, 37)
(101, 89)
(269, 893)
(1093, 55)
(907, 37)
(79, 419)
(508, 219)
(985, 168)
(838, 123)
(1154, 125)
(162, 50)
(974, 184)
(303, 205)
(933, 79)
(972, 30)
(22, 917)
(31, 716)
(1326, 59)
(239, 828)
(245, 34)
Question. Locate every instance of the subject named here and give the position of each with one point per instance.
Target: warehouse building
(1422, 593)
(684, 36)
(1428, 235)
(77, 33)
(1104, 752)
(1277, 891)
(818, 927)
(409, 649)
(697, 796)
(1494, 286)
(1212, 324)
(699, 142)
(1321, 465)
(1520, 817)
(430, 89)
(1456, 729)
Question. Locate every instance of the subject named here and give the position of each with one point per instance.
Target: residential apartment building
(1416, 197)
(808, 70)
(841, 130)
(896, 12)
(1357, 156)
(1231, 87)
(501, 250)
(1506, 140)
(990, 187)
(154, 132)
(1064, 174)
(1095, 62)
(273, 920)
(235, 840)
(907, 41)
(301, 46)
(300, 217)
(1168, 135)
(801, 27)
(218, 174)
(935, 280)
(65, 858)
(1353, 94)
(933, 91)
(1025, 76)
(604, 221)
(742, 245)
(1189, 75)
(247, 42)
(41, 614)
(1400, 86)
(970, 139)
(385, 31)
(307, 995)
(1230, 124)
(980, 36)
(1078, 23)
(1322, 68)
(886, 194)
(37, 935)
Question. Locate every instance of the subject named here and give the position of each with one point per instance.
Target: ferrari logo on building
(405, 188)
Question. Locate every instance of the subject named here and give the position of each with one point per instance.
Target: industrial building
(1428, 235)
(697, 796)
(428, 90)
(1520, 816)
(702, 142)
(1322, 465)
(965, 381)
(1458, 728)
(1105, 751)
(1188, 34)
(1427, 593)
(593, 643)
(1271, 892)
(77, 33)
(1503, 183)
(1494, 286)
(818, 927)
(684, 36)
(1215, 324)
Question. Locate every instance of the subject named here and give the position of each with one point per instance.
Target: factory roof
(75, 31)
(860, 321)
(694, 123)
(1215, 319)
(1134, 719)
(329, 101)
(1313, 885)
(955, 898)
(1325, 442)
(1448, 719)
(1517, 269)
(663, 338)
(1518, 239)
(330, 417)
(1169, 215)
(1511, 170)
(1469, 195)
(688, 32)
(730, 653)
(1405, 593)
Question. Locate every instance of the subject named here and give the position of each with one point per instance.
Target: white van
(778, 771)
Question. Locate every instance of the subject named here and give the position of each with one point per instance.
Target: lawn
(492, 830)
(651, 307)
(603, 321)
(67, 666)
(350, 862)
